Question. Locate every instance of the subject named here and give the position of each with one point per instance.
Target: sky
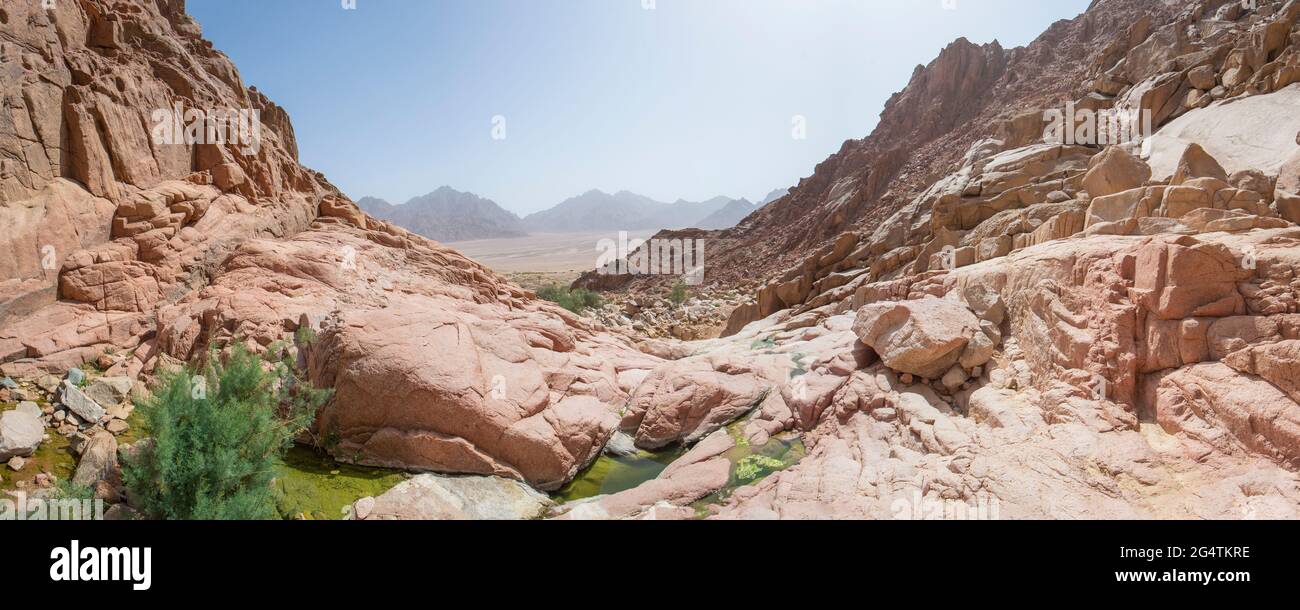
(530, 102)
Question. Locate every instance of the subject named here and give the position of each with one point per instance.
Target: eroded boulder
(1115, 171)
(1196, 163)
(430, 497)
(686, 400)
(923, 337)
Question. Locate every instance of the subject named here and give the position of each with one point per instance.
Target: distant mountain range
(773, 196)
(622, 211)
(735, 211)
(729, 216)
(448, 215)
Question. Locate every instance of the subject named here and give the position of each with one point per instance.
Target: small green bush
(678, 294)
(218, 432)
(572, 299)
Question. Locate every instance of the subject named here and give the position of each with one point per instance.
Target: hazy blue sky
(692, 99)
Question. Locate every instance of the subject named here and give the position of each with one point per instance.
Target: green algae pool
(310, 485)
(612, 474)
(54, 456)
(751, 464)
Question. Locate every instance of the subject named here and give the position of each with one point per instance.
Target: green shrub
(678, 294)
(305, 336)
(218, 432)
(572, 299)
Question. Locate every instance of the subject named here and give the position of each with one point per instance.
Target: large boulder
(427, 388)
(430, 497)
(923, 337)
(1196, 163)
(20, 434)
(1115, 171)
(686, 400)
(98, 461)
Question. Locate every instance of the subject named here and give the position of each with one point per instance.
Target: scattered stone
(80, 404)
(686, 400)
(1203, 78)
(128, 452)
(117, 426)
(122, 411)
(104, 362)
(31, 408)
(954, 378)
(121, 512)
(48, 384)
(621, 445)
(17, 463)
(8, 383)
(108, 391)
(20, 434)
(98, 461)
(75, 376)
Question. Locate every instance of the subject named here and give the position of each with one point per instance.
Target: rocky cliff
(145, 224)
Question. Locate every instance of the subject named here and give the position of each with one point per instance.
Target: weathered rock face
(1232, 413)
(438, 498)
(107, 204)
(1092, 377)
